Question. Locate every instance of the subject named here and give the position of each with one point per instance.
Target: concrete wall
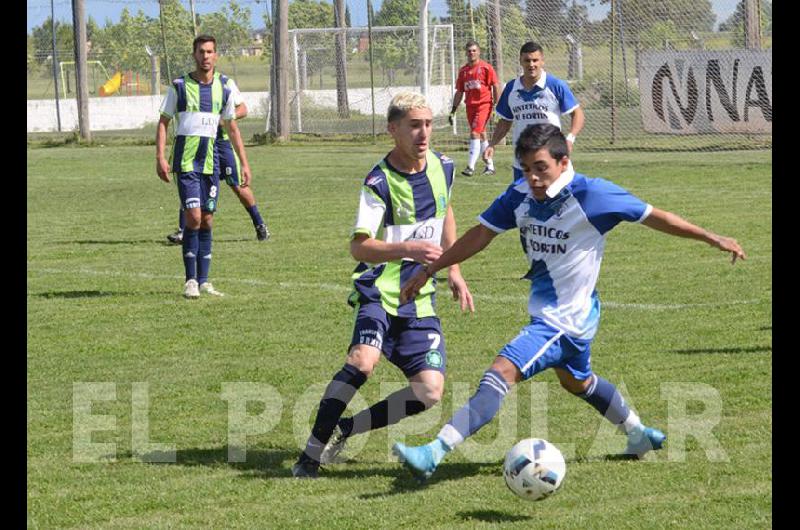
(134, 112)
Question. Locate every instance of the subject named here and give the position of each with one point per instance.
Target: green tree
(43, 41)
(735, 22)
(32, 63)
(307, 14)
(394, 52)
(640, 16)
(231, 27)
(545, 17)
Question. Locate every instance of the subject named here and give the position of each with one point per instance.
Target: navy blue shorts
(411, 344)
(198, 190)
(227, 162)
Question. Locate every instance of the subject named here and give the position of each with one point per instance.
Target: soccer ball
(534, 469)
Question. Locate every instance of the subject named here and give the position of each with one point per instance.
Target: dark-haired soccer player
(563, 218)
(199, 101)
(404, 220)
(536, 97)
(230, 169)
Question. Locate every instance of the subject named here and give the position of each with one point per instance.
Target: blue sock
(203, 255)
(181, 219)
(254, 215)
(190, 249)
(337, 395)
(605, 397)
(480, 409)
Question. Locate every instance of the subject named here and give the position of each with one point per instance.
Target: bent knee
(429, 394)
(364, 358)
(575, 386)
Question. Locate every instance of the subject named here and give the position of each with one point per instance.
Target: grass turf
(105, 306)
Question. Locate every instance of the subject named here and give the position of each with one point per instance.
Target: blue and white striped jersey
(549, 98)
(563, 239)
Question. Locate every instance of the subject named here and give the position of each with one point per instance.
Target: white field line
(520, 299)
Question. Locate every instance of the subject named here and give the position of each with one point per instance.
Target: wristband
(571, 138)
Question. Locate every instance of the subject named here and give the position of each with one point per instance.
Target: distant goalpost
(434, 63)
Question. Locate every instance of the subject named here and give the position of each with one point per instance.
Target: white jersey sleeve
(236, 94)
(371, 210)
(170, 103)
(229, 112)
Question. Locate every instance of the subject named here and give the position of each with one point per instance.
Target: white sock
(632, 423)
(490, 162)
(474, 151)
(450, 436)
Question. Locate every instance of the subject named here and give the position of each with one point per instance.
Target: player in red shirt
(479, 81)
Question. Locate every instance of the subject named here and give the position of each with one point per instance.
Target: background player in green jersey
(198, 100)
(231, 170)
(404, 221)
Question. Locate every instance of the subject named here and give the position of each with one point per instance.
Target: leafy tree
(545, 17)
(640, 16)
(307, 14)
(231, 27)
(394, 52)
(43, 41)
(32, 64)
(735, 22)
(576, 20)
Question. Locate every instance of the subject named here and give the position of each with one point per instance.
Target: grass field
(105, 306)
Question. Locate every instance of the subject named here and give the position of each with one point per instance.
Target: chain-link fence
(338, 86)
(649, 74)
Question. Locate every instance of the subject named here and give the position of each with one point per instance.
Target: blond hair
(404, 102)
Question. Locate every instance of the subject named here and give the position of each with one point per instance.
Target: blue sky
(100, 10)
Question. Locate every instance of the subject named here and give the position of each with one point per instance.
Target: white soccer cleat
(190, 289)
(207, 288)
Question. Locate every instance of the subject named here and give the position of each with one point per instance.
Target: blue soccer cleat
(642, 441)
(419, 460)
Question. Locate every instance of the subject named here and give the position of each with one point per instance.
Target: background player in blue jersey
(231, 171)
(404, 220)
(536, 97)
(563, 218)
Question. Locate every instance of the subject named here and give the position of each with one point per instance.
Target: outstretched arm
(454, 279)
(673, 224)
(472, 242)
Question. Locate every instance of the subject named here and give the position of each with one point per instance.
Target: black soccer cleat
(468, 171)
(262, 232)
(305, 467)
(176, 238)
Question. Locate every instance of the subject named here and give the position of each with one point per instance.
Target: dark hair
(535, 137)
(200, 39)
(470, 44)
(530, 47)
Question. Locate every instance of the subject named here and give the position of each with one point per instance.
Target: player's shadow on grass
(492, 516)
(160, 242)
(76, 294)
(114, 242)
(256, 462)
(752, 349)
(405, 483)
